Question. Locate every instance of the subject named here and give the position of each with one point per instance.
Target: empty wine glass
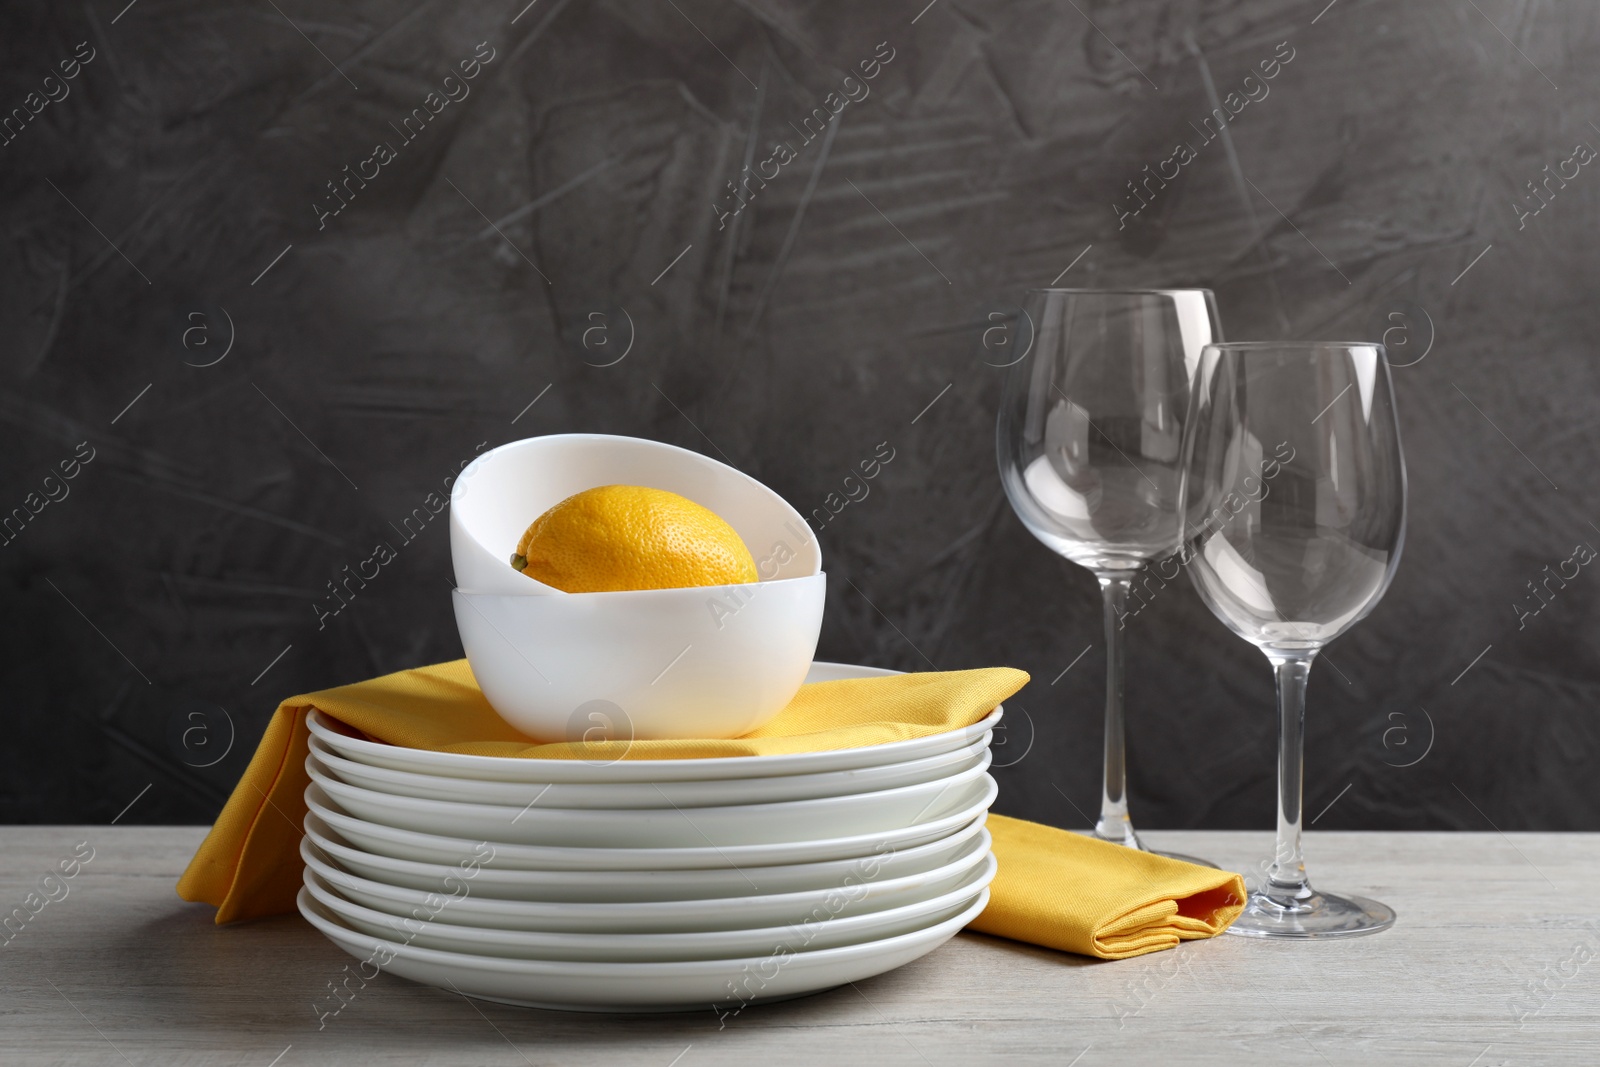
(1090, 441)
(1296, 494)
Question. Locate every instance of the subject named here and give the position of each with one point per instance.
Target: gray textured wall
(170, 203)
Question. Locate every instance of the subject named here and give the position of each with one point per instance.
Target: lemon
(616, 537)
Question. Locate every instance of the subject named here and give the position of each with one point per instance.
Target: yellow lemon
(617, 537)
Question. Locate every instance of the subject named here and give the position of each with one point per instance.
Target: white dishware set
(621, 884)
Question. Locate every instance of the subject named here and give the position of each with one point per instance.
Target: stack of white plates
(647, 885)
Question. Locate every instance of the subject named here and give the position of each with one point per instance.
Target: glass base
(1118, 834)
(1316, 915)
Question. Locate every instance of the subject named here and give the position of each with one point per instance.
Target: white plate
(739, 824)
(718, 792)
(642, 885)
(649, 948)
(681, 986)
(431, 848)
(853, 895)
(542, 771)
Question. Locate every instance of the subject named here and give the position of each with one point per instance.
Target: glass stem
(1286, 883)
(1114, 824)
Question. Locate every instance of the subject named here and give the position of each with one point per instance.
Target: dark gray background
(381, 351)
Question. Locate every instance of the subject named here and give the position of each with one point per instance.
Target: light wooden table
(119, 971)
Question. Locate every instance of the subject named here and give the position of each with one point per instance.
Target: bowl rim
(462, 484)
(490, 594)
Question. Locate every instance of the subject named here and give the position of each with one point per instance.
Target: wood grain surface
(120, 972)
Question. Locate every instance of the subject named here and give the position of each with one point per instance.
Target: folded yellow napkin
(249, 864)
(1056, 889)
(1079, 894)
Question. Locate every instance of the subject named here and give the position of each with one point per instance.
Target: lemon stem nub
(520, 562)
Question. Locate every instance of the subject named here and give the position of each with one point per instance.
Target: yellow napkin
(1067, 891)
(249, 864)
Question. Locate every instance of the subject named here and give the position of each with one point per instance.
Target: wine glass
(1296, 496)
(1090, 441)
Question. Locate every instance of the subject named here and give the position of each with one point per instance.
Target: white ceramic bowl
(632, 986)
(853, 896)
(737, 824)
(714, 661)
(488, 879)
(544, 771)
(504, 490)
(651, 794)
(384, 840)
(646, 948)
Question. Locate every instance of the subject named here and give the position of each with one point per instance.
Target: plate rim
(701, 766)
(641, 910)
(645, 968)
(978, 811)
(930, 906)
(598, 815)
(971, 830)
(337, 764)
